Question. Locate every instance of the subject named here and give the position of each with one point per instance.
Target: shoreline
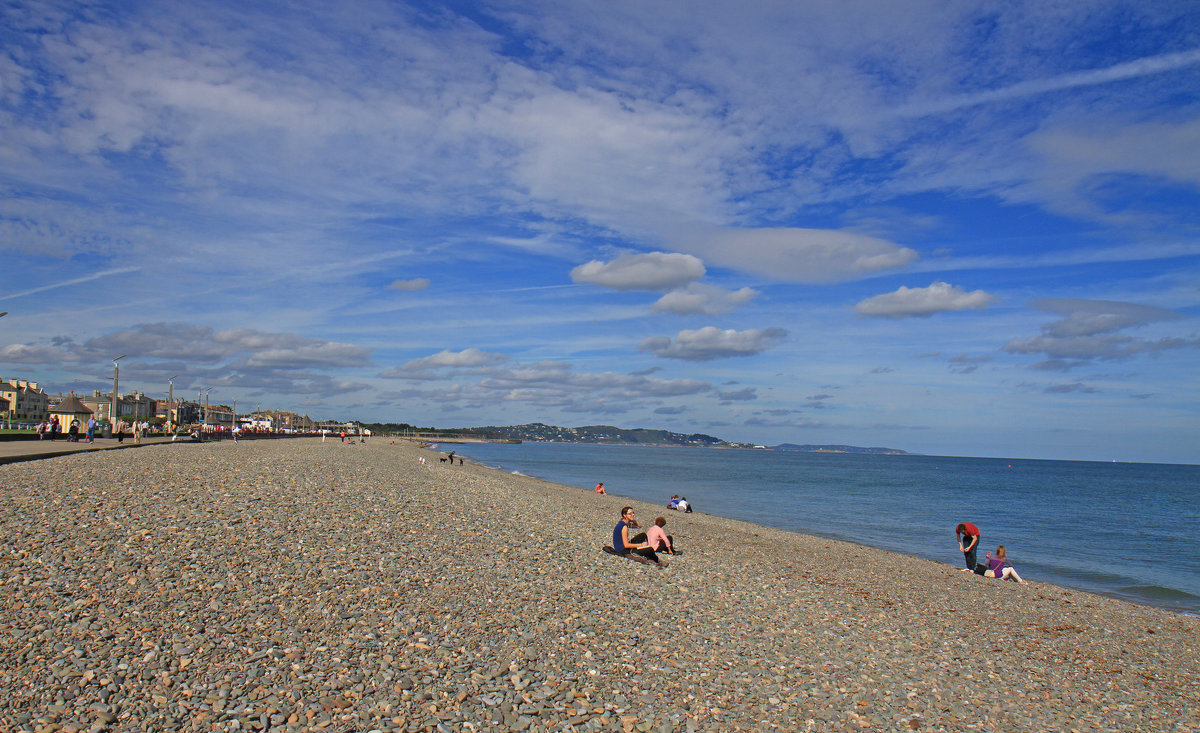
(1165, 600)
(296, 585)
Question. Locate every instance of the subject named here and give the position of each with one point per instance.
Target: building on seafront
(23, 401)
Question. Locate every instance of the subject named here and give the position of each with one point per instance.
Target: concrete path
(14, 451)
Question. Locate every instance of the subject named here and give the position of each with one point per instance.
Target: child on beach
(1000, 567)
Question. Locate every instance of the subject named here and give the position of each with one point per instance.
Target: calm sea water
(1121, 529)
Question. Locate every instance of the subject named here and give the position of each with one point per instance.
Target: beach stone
(295, 585)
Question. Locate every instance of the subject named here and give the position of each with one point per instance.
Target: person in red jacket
(968, 542)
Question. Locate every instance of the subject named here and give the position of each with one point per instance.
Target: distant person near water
(968, 542)
(674, 502)
(684, 506)
(600, 488)
(999, 567)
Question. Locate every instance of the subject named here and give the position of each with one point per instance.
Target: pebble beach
(305, 585)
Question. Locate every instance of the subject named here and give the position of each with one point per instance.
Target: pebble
(299, 585)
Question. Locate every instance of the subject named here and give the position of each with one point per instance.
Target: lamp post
(112, 412)
(210, 389)
(172, 411)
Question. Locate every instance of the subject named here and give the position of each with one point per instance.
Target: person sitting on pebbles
(1000, 567)
(657, 538)
(625, 546)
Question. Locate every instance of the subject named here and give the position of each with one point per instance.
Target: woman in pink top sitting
(658, 539)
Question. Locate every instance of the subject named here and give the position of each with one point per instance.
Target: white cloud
(651, 271)
(739, 395)
(797, 255)
(1118, 72)
(939, 297)
(418, 283)
(555, 384)
(465, 359)
(1090, 331)
(33, 354)
(705, 299)
(711, 342)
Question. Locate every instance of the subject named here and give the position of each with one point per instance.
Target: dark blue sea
(1122, 529)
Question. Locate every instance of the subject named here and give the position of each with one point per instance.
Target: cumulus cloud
(33, 354)
(555, 384)
(738, 395)
(711, 342)
(709, 300)
(1090, 330)
(939, 297)
(796, 255)
(651, 271)
(247, 359)
(425, 367)
(418, 283)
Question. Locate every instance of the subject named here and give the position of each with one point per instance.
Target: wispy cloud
(1108, 75)
(68, 283)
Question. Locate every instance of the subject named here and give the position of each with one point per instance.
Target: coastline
(797, 492)
(297, 584)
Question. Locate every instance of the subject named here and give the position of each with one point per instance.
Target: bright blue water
(1122, 529)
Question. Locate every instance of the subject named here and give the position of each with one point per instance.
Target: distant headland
(542, 433)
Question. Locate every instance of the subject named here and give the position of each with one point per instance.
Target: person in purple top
(999, 567)
(625, 547)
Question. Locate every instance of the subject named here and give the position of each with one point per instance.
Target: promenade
(15, 451)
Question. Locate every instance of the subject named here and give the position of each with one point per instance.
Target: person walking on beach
(968, 542)
(1000, 567)
(91, 430)
(625, 546)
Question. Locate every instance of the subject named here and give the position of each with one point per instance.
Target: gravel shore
(304, 585)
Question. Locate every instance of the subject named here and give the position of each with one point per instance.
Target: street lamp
(172, 411)
(112, 413)
(206, 391)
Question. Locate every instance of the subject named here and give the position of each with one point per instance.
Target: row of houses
(24, 402)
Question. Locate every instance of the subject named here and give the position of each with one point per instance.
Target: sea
(1125, 530)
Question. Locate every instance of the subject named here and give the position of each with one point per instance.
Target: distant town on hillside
(540, 432)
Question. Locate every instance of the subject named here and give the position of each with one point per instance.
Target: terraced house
(23, 401)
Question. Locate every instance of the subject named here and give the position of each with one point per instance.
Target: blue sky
(963, 228)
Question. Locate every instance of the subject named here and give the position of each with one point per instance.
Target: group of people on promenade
(51, 429)
(995, 566)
